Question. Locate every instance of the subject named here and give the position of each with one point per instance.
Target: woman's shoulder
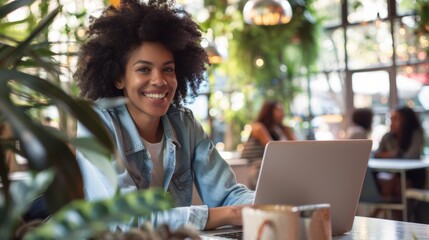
(109, 105)
(181, 116)
(182, 111)
(258, 126)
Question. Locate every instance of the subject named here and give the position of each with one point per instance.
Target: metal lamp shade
(213, 54)
(267, 12)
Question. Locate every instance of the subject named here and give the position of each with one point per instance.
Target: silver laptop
(311, 172)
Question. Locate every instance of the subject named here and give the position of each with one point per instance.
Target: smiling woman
(149, 83)
(150, 53)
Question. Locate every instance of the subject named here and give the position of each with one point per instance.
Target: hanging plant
(262, 61)
(422, 11)
(26, 67)
(283, 49)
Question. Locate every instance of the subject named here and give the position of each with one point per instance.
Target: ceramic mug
(287, 222)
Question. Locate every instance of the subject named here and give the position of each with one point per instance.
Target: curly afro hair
(118, 31)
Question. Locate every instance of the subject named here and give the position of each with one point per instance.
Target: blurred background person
(361, 124)
(267, 127)
(405, 140)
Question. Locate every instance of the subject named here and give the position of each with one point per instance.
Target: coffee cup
(287, 222)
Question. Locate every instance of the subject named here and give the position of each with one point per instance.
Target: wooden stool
(418, 201)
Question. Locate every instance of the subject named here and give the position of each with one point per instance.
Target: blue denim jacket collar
(132, 144)
(132, 133)
(170, 151)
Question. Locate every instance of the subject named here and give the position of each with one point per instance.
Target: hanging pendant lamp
(213, 54)
(267, 12)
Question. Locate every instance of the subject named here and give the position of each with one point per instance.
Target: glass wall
(371, 57)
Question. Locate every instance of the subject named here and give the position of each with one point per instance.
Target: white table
(383, 229)
(369, 228)
(400, 166)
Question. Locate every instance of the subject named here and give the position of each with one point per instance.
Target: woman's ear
(119, 84)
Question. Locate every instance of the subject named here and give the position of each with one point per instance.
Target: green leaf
(81, 109)
(41, 148)
(8, 57)
(98, 155)
(9, 24)
(23, 192)
(12, 6)
(83, 219)
(43, 59)
(91, 148)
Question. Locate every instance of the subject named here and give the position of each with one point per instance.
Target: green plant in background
(287, 51)
(22, 61)
(28, 71)
(422, 11)
(83, 220)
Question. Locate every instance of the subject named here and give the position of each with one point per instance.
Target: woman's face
(150, 80)
(278, 114)
(395, 122)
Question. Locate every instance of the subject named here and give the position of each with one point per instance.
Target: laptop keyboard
(231, 235)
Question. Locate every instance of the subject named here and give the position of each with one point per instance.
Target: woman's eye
(143, 69)
(169, 69)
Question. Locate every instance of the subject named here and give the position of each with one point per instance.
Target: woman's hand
(227, 215)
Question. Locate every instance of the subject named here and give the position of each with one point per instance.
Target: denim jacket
(189, 158)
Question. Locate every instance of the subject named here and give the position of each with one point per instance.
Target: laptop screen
(312, 172)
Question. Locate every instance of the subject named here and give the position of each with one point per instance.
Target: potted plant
(27, 67)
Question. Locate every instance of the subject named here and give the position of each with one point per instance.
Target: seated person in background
(362, 123)
(12, 159)
(267, 127)
(404, 140)
(150, 53)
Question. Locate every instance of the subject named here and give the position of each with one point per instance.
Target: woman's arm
(221, 216)
(200, 217)
(260, 132)
(387, 148)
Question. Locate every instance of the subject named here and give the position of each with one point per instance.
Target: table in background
(380, 229)
(400, 166)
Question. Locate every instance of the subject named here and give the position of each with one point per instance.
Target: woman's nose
(158, 78)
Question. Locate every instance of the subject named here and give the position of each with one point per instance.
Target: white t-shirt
(280, 133)
(156, 155)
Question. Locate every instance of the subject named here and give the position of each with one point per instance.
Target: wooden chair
(418, 200)
(418, 194)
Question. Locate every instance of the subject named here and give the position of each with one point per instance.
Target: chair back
(370, 192)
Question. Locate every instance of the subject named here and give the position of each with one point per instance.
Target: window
(369, 45)
(378, 59)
